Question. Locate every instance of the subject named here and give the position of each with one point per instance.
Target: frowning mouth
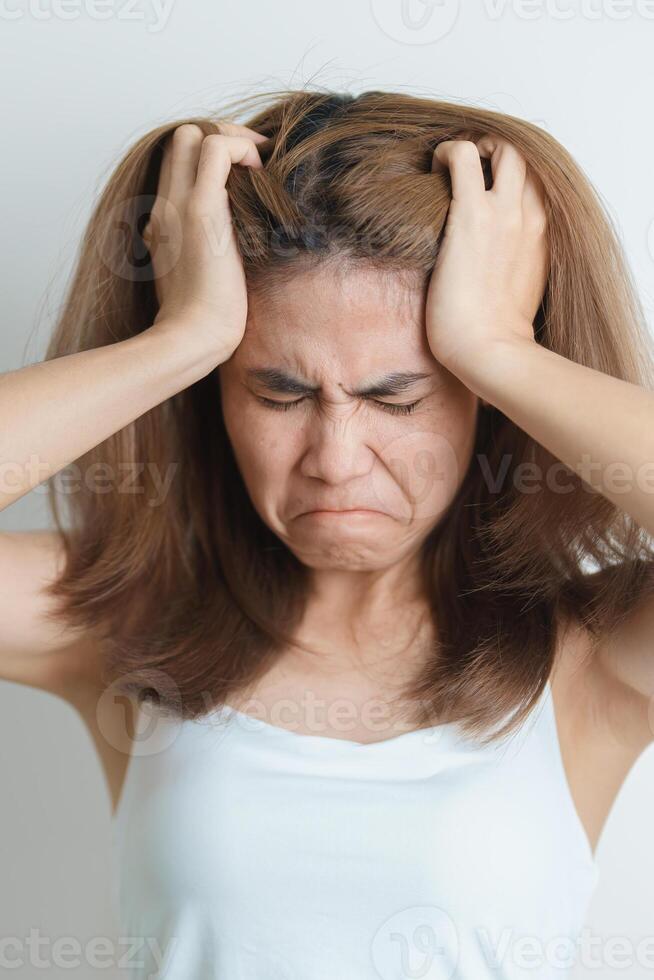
(341, 511)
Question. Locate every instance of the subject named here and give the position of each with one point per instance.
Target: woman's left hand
(491, 271)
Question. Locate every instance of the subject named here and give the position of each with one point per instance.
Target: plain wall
(80, 87)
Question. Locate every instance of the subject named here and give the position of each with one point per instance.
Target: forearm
(599, 426)
(53, 412)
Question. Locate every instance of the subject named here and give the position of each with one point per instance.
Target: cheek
(263, 451)
(426, 462)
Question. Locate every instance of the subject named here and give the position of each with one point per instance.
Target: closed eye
(386, 406)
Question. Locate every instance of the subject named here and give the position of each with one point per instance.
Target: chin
(347, 552)
(344, 561)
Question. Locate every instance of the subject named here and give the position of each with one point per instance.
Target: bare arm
(33, 650)
(54, 411)
(57, 659)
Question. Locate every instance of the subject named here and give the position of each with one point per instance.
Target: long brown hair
(193, 596)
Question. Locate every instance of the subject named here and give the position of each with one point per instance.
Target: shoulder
(627, 652)
(606, 685)
(36, 649)
(604, 722)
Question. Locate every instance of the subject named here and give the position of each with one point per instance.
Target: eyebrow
(276, 379)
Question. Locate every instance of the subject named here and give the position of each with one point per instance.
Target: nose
(335, 452)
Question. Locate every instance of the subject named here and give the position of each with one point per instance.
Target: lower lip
(342, 513)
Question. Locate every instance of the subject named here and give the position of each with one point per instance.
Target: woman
(347, 400)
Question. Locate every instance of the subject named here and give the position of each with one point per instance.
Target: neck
(357, 619)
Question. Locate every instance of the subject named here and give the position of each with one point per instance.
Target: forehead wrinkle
(281, 381)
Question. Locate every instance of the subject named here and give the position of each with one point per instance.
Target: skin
(340, 329)
(476, 334)
(481, 301)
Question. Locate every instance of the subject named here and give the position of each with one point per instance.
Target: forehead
(354, 319)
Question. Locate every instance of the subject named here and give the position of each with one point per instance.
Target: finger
(217, 155)
(461, 158)
(185, 153)
(234, 129)
(508, 166)
(209, 200)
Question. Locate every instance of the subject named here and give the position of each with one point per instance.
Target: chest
(305, 843)
(362, 703)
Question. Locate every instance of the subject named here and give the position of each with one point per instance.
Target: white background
(82, 82)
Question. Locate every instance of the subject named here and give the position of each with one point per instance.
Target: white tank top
(246, 851)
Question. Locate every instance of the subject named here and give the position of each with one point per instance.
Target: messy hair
(194, 597)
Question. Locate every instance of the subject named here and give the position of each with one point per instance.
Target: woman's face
(313, 405)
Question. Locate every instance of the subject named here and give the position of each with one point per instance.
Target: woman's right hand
(199, 278)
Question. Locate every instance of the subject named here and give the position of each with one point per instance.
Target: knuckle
(466, 149)
(211, 151)
(213, 142)
(186, 135)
